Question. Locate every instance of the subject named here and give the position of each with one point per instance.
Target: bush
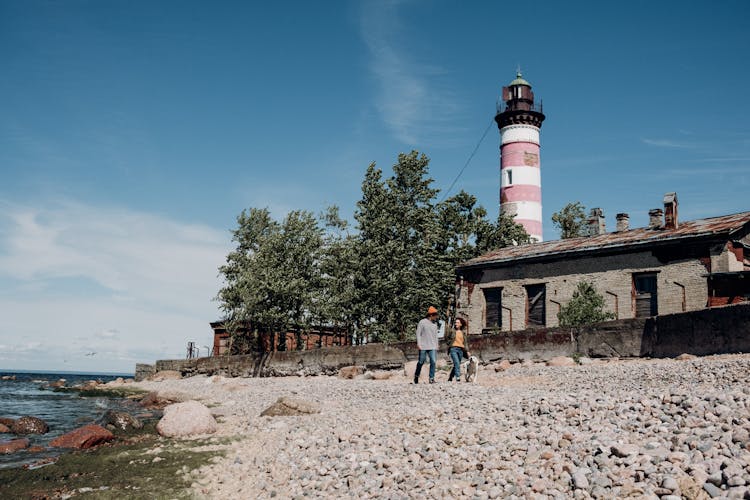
(585, 307)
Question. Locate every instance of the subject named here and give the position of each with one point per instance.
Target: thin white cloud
(666, 143)
(414, 100)
(141, 283)
(111, 333)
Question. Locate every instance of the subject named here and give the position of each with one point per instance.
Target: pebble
(645, 428)
(712, 490)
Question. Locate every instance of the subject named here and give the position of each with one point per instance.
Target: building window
(536, 314)
(509, 173)
(644, 295)
(493, 315)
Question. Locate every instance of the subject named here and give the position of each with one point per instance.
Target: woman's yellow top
(458, 341)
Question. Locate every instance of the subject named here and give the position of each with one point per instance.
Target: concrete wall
(311, 362)
(143, 371)
(708, 331)
(681, 286)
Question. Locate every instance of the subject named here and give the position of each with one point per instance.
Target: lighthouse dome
(519, 80)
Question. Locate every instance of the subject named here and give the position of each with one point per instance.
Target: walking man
(427, 343)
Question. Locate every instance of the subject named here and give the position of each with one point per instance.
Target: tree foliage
(273, 279)
(570, 220)
(585, 307)
(375, 281)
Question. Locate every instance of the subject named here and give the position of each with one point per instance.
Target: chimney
(670, 211)
(654, 218)
(623, 222)
(596, 222)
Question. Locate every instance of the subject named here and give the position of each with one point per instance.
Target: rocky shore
(600, 429)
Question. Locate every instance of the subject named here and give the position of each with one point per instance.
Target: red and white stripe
(520, 174)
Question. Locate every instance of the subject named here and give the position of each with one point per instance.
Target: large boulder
(186, 419)
(4, 429)
(8, 422)
(119, 420)
(90, 384)
(349, 372)
(502, 365)
(30, 425)
(286, 406)
(14, 445)
(83, 438)
(561, 361)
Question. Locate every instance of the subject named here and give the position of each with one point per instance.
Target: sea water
(29, 394)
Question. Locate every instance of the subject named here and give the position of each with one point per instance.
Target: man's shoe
(432, 380)
(416, 380)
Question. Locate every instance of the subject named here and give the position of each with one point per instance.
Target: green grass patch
(113, 392)
(122, 468)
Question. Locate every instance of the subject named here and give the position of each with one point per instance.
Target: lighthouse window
(509, 177)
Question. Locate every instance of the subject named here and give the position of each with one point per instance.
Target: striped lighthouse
(519, 121)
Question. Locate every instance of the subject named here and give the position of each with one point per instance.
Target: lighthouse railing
(503, 106)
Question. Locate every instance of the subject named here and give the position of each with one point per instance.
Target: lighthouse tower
(519, 121)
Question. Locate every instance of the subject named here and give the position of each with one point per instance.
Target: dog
(472, 367)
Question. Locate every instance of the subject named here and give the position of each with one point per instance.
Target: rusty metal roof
(556, 249)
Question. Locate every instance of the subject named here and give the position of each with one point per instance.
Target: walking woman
(459, 348)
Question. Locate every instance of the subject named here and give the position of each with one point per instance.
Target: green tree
(396, 250)
(586, 306)
(340, 303)
(272, 279)
(570, 220)
(504, 232)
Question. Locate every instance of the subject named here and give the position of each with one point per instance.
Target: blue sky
(133, 133)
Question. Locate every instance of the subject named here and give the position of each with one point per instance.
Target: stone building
(668, 267)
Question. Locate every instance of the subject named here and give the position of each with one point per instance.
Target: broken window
(493, 316)
(535, 306)
(644, 295)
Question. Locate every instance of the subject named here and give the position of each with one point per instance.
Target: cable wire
(471, 156)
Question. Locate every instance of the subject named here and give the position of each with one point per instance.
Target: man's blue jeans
(457, 355)
(432, 353)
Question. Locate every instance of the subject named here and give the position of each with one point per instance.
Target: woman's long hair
(464, 324)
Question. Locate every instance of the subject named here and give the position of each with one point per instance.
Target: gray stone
(670, 483)
(624, 450)
(712, 490)
(119, 420)
(349, 372)
(580, 481)
(288, 406)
